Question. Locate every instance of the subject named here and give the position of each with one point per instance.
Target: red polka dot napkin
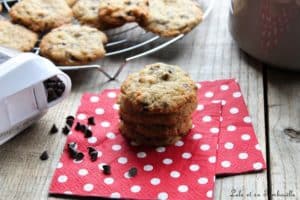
(222, 141)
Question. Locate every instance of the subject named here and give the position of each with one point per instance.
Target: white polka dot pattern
(155, 181)
(94, 99)
(115, 195)
(162, 196)
(88, 187)
(183, 188)
(62, 179)
(237, 142)
(135, 188)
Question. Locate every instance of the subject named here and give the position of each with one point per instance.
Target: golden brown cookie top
(159, 88)
(172, 17)
(41, 15)
(119, 12)
(71, 2)
(87, 12)
(73, 45)
(16, 36)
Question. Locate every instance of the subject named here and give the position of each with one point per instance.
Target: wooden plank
(206, 53)
(284, 113)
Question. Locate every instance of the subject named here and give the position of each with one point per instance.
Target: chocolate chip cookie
(41, 15)
(73, 45)
(71, 2)
(156, 105)
(170, 18)
(141, 139)
(119, 12)
(87, 12)
(159, 88)
(16, 36)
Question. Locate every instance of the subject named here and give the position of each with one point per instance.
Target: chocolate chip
(51, 95)
(78, 127)
(44, 156)
(65, 130)
(132, 172)
(72, 145)
(88, 133)
(72, 148)
(70, 120)
(73, 153)
(54, 88)
(94, 155)
(91, 121)
(165, 77)
(79, 156)
(91, 149)
(83, 128)
(106, 169)
(53, 129)
(59, 92)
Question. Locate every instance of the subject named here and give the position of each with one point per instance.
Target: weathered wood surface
(284, 133)
(207, 53)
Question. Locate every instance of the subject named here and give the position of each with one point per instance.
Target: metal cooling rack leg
(119, 71)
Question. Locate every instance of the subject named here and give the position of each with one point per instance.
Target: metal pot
(268, 30)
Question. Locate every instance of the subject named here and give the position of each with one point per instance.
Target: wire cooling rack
(130, 40)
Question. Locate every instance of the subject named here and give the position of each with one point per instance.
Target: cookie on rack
(119, 12)
(71, 2)
(41, 15)
(16, 36)
(73, 45)
(169, 18)
(87, 12)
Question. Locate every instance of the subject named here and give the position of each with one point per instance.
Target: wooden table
(209, 52)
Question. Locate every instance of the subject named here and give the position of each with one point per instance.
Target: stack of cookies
(156, 105)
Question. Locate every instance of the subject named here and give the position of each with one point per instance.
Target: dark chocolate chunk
(79, 156)
(72, 145)
(65, 130)
(83, 128)
(53, 129)
(91, 121)
(106, 169)
(44, 156)
(78, 127)
(91, 149)
(70, 117)
(51, 95)
(54, 88)
(88, 133)
(94, 155)
(70, 120)
(73, 153)
(72, 148)
(132, 172)
(59, 92)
